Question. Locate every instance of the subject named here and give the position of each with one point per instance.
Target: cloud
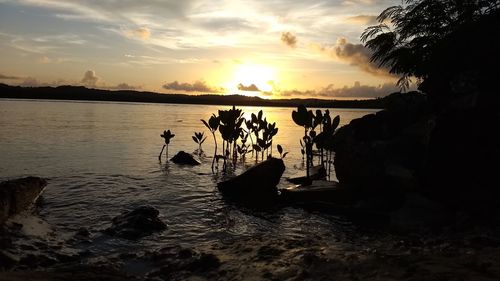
(250, 88)
(354, 54)
(362, 20)
(44, 60)
(7, 77)
(122, 86)
(31, 82)
(355, 91)
(198, 86)
(289, 39)
(139, 33)
(89, 78)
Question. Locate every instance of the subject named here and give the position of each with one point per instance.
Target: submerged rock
(175, 263)
(19, 195)
(260, 179)
(135, 224)
(184, 158)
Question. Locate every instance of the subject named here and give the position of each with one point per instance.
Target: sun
(247, 75)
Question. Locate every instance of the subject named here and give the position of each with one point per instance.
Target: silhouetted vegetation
(82, 93)
(324, 140)
(281, 152)
(199, 138)
(442, 143)
(167, 136)
(410, 36)
(229, 123)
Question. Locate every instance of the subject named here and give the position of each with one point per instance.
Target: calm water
(101, 158)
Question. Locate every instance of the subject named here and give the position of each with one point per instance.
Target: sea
(101, 158)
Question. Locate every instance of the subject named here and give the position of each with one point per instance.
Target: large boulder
(19, 195)
(184, 158)
(258, 180)
(136, 224)
(385, 150)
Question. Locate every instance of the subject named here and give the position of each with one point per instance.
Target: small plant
(304, 118)
(199, 139)
(213, 125)
(167, 135)
(323, 140)
(302, 149)
(280, 150)
(235, 130)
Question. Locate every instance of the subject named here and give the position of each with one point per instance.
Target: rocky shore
(458, 251)
(448, 255)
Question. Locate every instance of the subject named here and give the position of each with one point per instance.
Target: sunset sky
(268, 48)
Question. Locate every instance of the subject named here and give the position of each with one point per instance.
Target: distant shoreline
(79, 93)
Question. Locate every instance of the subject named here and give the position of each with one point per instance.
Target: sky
(267, 48)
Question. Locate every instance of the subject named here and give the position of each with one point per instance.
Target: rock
(7, 259)
(184, 158)
(386, 149)
(418, 211)
(175, 263)
(258, 180)
(318, 191)
(205, 262)
(19, 195)
(135, 224)
(83, 232)
(315, 173)
(33, 261)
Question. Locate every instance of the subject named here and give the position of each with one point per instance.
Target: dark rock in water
(19, 195)
(184, 158)
(418, 211)
(258, 180)
(315, 173)
(204, 262)
(173, 263)
(33, 261)
(316, 192)
(135, 224)
(7, 260)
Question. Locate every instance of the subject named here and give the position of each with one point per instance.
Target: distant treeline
(83, 93)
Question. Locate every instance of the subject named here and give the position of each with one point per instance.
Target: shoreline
(468, 253)
(78, 93)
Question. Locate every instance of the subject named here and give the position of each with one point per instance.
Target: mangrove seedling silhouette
(280, 151)
(264, 140)
(229, 123)
(167, 136)
(199, 139)
(230, 130)
(304, 118)
(212, 125)
(323, 140)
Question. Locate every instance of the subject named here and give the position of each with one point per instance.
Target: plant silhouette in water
(212, 125)
(264, 133)
(167, 136)
(323, 140)
(230, 130)
(229, 123)
(199, 139)
(280, 151)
